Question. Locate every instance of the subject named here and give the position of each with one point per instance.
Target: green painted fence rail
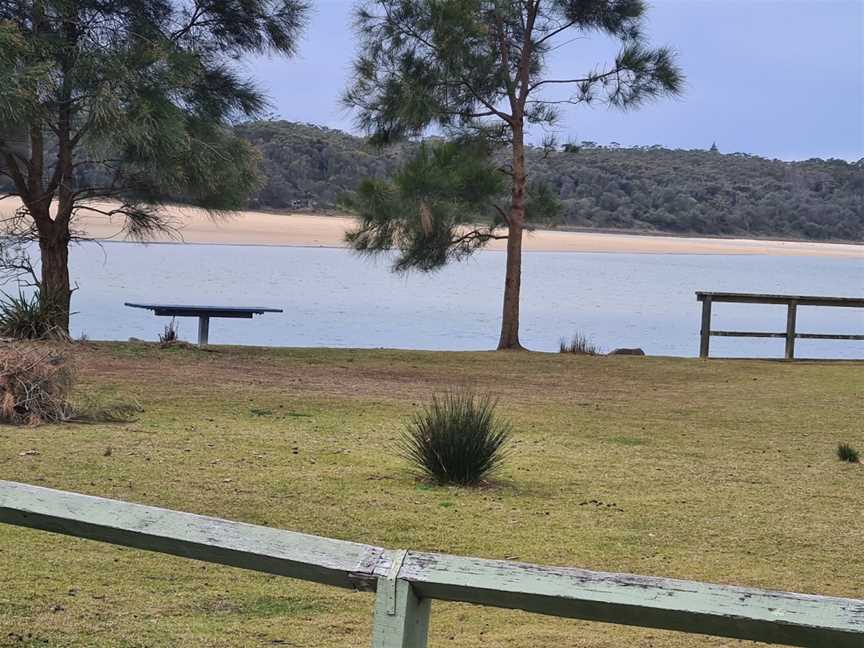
(406, 582)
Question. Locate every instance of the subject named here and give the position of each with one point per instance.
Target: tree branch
(592, 78)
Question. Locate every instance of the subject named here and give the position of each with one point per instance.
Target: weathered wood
(298, 555)
(401, 618)
(757, 334)
(719, 610)
(803, 300)
(791, 315)
(791, 301)
(705, 332)
(827, 336)
(798, 336)
(407, 581)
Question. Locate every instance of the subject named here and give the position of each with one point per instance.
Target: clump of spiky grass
(846, 452)
(28, 318)
(456, 439)
(579, 344)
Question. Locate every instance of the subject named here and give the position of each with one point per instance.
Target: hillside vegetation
(648, 189)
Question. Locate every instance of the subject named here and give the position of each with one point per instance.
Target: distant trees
(476, 67)
(821, 199)
(129, 102)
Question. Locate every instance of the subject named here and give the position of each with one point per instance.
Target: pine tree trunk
(509, 339)
(512, 286)
(55, 288)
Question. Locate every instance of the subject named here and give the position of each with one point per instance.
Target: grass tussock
(847, 453)
(28, 318)
(35, 385)
(457, 439)
(579, 344)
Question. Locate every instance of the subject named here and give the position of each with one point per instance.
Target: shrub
(846, 452)
(27, 318)
(456, 439)
(579, 344)
(169, 334)
(34, 386)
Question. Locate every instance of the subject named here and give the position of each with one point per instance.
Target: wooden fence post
(705, 339)
(401, 618)
(791, 314)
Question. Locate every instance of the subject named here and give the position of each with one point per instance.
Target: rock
(637, 352)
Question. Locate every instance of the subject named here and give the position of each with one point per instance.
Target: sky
(776, 78)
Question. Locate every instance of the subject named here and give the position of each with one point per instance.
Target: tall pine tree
(130, 102)
(479, 67)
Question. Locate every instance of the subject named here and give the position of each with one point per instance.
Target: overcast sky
(777, 78)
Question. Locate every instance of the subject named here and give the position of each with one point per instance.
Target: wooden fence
(792, 302)
(406, 582)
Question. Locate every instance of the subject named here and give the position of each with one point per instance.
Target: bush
(846, 452)
(456, 439)
(579, 344)
(27, 318)
(169, 334)
(35, 385)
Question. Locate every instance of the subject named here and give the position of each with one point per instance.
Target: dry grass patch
(35, 384)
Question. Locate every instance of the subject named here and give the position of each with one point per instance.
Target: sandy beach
(261, 228)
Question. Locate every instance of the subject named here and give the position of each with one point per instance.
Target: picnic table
(204, 313)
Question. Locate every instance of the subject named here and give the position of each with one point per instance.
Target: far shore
(307, 230)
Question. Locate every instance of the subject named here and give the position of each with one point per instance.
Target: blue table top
(188, 308)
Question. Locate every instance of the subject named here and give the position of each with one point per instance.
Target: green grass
(721, 471)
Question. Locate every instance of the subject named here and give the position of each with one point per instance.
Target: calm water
(332, 298)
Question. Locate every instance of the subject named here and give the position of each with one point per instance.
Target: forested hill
(644, 189)
(649, 189)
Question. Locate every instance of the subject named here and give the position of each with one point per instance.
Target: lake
(335, 299)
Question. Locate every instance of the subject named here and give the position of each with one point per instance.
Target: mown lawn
(721, 471)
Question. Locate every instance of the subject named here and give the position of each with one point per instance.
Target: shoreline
(256, 228)
(526, 248)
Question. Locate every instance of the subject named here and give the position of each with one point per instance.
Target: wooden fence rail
(792, 302)
(406, 582)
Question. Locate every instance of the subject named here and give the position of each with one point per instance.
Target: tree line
(610, 187)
